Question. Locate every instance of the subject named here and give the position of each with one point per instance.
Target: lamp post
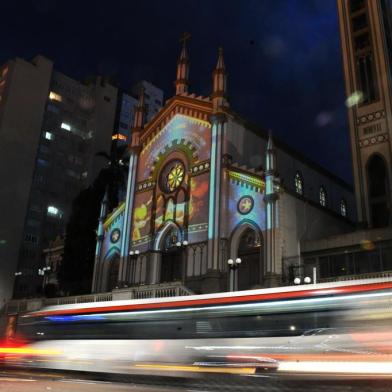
(133, 256)
(42, 272)
(233, 266)
(182, 245)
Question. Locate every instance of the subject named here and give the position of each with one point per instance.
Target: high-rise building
(127, 104)
(365, 31)
(51, 127)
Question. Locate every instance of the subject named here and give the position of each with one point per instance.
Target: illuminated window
(175, 177)
(49, 136)
(55, 97)
(343, 207)
(119, 136)
(323, 197)
(65, 126)
(299, 184)
(52, 210)
(172, 176)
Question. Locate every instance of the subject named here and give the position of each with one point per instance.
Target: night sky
(283, 56)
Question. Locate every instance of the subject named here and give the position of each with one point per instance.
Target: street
(38, 381)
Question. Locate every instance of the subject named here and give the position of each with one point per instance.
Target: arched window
(323, 197)
(299, 183)
(343, 208)
(379, 197)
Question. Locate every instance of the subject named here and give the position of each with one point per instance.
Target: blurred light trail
(28, 351)
(365, 368)
(197, 369)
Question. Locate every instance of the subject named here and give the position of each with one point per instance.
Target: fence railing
(369, 275)
(174, 289)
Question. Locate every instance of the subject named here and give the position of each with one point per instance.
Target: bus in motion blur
(341, 327)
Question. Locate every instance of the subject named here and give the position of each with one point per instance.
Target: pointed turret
(138, 121)
(219, 86)
(182, 79)
(270, 156)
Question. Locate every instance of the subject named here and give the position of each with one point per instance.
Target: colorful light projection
(245, 200)
(180, 130)
(141, 225)
(198, 208)
(113, 229)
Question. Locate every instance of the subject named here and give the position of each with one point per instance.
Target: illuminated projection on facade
(195, 199)
(173, 180)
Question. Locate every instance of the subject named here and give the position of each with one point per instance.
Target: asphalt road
(42, 381)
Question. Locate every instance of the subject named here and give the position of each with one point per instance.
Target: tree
(75, 274)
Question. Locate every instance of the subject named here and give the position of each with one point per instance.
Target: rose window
(172, 176)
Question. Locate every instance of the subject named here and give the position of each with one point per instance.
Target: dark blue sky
(283, 56)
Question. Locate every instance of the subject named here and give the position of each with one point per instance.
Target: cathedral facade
(205, 187)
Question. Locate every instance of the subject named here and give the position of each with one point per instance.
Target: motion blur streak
(197, 369)
(27, 351)
(337, 367)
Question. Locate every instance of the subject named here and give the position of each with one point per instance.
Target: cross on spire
(184, 37)
(182, 82)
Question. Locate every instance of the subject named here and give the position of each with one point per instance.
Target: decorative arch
(247, 244)
(182, 147)
(239, 231)
(163, 231)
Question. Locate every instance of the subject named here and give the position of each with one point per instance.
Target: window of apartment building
(49, 136)
(323, 197)
(31, 238)
(43, 149)
(33, 223)
(53, 109)
(42, 162)
(53, 211)
(55, 97)
(65, 126)
(299, 183)
(343, 208)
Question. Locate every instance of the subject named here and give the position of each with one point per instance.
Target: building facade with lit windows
(205, 187)
(51, 126)
(366, 42)
(126, 108)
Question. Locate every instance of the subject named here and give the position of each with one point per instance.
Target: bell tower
(366, 40)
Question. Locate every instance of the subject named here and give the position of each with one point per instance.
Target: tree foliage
(76, 270)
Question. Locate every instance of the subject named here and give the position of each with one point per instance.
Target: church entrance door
(171, 265)
(249, 251)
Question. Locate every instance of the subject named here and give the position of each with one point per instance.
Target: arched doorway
(171, 257)
(249, 251)
(112, 276)
(379, 200)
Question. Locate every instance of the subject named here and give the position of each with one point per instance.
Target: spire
(219, 86)
(270, 158)
(182, 81)
(138, 120)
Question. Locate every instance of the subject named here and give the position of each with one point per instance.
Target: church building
(208, 192)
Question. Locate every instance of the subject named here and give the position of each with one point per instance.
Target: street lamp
(43, 270)
(298, 280)
(182, 244)
(233, 266)
(131, 266)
